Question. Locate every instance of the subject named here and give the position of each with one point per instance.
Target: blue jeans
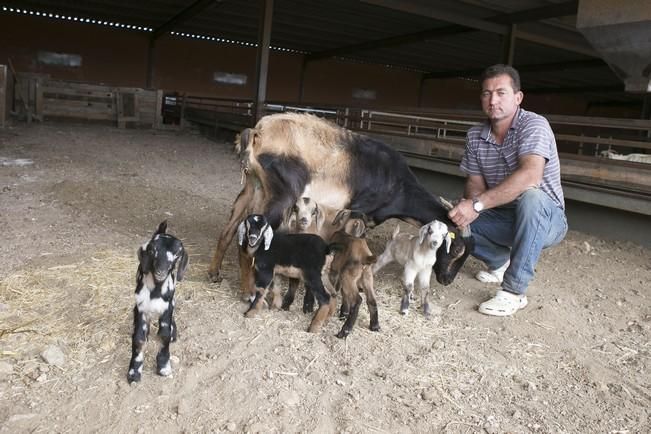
(518, 231)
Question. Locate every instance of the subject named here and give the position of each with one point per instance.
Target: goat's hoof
(133, 377)
(343, 334)
(165, 371)
(214, 276)
(404, 311)
(308, 309)
(375, 327)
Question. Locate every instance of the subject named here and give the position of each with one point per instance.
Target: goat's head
(253, 231)
(434, 234)
(450, 260)
(306, 211)
(355, 223)
(162, 254)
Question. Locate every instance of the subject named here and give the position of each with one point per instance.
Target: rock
(230, 426)
(438, 345)
(428, 395)
(289, 397)
(54, 356)
(184, 407)
(6, 369)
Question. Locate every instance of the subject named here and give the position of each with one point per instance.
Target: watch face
(477, 206)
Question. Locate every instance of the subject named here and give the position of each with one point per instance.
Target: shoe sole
(491, 312)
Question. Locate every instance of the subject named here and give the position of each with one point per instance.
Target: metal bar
(262, 62)
(187, 13)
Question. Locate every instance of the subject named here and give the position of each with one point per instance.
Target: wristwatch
(477, 205)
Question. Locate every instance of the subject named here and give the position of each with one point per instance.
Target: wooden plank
(603, 141)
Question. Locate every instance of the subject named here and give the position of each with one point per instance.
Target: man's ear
(519, 96)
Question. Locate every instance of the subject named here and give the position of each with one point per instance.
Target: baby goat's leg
(288, 299)
(423, 284)
(327, 303)
(408, 281)
(350, 296)
(167, 334)
(366, 284)
(138, 340)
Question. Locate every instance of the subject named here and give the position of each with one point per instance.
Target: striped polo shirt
(529, 134)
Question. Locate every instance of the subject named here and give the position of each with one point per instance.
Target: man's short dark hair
(501, 69)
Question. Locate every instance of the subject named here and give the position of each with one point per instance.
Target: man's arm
(528, 174)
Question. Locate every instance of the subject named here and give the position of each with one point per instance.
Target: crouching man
(513, 200)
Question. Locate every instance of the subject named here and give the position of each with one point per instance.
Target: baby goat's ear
(268, 236)
(241, 231)
(146, 261)
(422, 233)
(162, 227)
(448, 242)
(183, 265)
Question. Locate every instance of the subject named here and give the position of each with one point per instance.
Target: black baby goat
(155, 283)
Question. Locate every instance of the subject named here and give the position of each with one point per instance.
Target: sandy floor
(576, 360)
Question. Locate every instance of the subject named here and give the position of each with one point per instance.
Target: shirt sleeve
(537, 138)
(469, 162)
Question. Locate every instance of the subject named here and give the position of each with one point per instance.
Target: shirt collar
(486, 129)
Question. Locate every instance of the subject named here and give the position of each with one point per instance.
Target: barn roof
(440, 38)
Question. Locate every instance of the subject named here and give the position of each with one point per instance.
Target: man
(513, 199)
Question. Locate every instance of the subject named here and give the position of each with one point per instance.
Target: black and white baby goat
(159, 258)
(297, 256)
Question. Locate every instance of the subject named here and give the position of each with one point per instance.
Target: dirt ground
(76, 201)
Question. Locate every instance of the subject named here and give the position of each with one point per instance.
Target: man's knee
(534, 201)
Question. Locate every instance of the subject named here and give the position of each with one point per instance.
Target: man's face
(498, 99)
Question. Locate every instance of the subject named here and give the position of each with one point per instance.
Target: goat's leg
(166, 334)
(367, 285)
(408, 282)
(350, 293)
(276, 299)
(423, 283)
(138, 340)
(257, 303)
(238, 213)
(247, 285)
(288, 299)
(382, 260)
(308, 301)
(327, 303)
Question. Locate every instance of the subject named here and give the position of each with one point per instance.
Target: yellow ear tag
(452, 235)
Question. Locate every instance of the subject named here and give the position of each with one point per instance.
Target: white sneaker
(503, 304)
(492, 276)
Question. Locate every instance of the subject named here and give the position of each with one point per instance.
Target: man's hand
(463, 213)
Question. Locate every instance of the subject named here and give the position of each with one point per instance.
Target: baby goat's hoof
(404, 305)
(166, 370)
(133, 376)
(375, 327)
(214, 276)
(343, 334)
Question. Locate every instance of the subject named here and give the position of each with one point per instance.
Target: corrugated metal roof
(313, 27)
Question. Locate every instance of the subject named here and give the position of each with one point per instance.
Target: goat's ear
(241, 231)
(318, 217)
(448, 242)
(288, 216)
(268, 236)
(162, 227)
(146, 261)
(422, 233)
(341, 214)
(182, 265)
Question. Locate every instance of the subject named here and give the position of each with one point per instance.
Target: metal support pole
(262, 63)
(150, 63)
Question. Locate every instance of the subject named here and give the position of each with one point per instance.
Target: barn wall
(119, 58)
